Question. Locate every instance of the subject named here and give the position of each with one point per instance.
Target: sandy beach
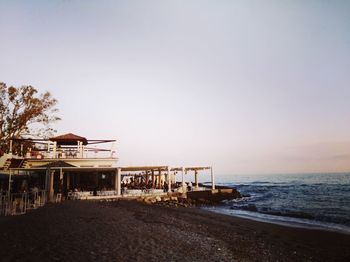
(133, 231)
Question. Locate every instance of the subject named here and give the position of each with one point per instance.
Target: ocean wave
(249, 207)
(284, 220)
(296, 214)
(313, 198)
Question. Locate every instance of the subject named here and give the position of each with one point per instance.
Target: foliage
(24, 112)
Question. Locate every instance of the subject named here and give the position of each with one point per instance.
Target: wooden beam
(143, 168)
(197, 168)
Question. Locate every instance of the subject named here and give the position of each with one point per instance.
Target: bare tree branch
(23, 111)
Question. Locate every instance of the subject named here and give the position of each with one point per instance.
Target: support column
(83, 154)
(196, 178)
(212, 178)
(81, 150)
(68, 181)
(78, 150)
(51, 191)
(9, 186)
(169, 180)
(115, 182)
(61, 181)
(47, 175)
(117, 185)
(54, 149)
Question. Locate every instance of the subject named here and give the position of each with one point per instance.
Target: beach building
(70, 166)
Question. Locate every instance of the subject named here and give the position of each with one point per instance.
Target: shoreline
(133, 231)
(293, 222)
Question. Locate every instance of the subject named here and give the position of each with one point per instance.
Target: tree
(24, 112)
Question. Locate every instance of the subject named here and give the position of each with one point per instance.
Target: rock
(213, 196)
(158, 199)
(173, 198)
(251, 207)
(140, 199)
(165, 198)
(147, 201)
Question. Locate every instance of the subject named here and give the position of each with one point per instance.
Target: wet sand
(133, 231)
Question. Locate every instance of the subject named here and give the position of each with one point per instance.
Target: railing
(141, 192)
(83, 195)
(69, 154)
(3, 203)
(19, 203)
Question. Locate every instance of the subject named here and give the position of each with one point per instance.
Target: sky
(249, 87)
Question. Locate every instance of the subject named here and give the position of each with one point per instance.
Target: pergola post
(212, 178)
(117, 183)
(169, 180)
(147, 178)
(159, 178)
(196, 178)
(183, 178)
(152, 178)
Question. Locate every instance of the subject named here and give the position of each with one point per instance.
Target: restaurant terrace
(71, 167)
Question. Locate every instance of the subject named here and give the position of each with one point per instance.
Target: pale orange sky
(245, 86)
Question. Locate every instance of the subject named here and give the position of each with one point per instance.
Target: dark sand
(132, 231)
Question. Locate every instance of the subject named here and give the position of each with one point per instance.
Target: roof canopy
(16, 163)
(69, 139)
(59, 163)
(66, 140)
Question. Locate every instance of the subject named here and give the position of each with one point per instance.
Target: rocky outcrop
(212, 197)
(193, 198)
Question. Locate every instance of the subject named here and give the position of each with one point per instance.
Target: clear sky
(245, 86)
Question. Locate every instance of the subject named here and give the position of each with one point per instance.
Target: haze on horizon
(245, 86)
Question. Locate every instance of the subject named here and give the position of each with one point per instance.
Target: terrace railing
(70, 153)
(19, 203)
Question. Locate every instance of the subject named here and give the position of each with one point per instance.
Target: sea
(320, 201)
